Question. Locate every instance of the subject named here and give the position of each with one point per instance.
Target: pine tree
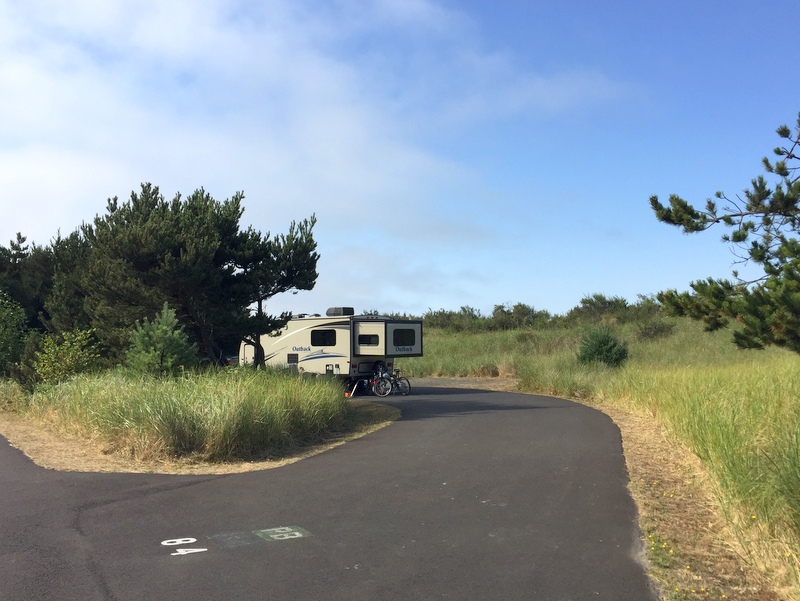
(764, 228)
(12, 331)
(191, 254)
(161, 346)
(26, 274)
(283, 263)
(64, 305)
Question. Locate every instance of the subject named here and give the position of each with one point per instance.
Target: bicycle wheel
(382, 387)
(403, 386)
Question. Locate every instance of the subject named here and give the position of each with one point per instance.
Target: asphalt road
(471, 495)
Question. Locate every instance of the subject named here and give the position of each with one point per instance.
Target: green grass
(482, 354)
(738, 411)
(216, 416)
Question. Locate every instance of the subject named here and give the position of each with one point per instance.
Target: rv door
(403, 338)
(369, 339)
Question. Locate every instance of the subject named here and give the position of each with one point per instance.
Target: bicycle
(378, 384)
(381, 384)
(401, 384)
(397, 384)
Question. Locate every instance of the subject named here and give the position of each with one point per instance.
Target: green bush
(600, 345)
(160, 347)
(66, 355)
(654, 329)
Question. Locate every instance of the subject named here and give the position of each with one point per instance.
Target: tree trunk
(258, 356)
(205, 337)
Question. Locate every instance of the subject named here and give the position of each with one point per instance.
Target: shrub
(161, 347)
(488, 370)
(65, 355)
(653, 330)
(600, 345)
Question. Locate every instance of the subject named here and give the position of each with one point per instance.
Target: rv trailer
(340, 344)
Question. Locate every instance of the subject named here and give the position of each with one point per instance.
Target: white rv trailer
(341, 344)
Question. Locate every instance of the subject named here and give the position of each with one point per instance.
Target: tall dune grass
(215, 416)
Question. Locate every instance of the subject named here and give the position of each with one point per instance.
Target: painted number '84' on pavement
(173, 542)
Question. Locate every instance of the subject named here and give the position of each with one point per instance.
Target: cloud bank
(350, 110)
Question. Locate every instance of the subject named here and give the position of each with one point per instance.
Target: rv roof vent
(339, 311)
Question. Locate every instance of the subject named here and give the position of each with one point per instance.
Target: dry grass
(693, 552)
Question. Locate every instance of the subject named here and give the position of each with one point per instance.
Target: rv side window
(323, 337)
(368, 340)
(404, 337)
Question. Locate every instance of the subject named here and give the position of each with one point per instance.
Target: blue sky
(454, 152)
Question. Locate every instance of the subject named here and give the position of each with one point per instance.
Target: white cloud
(327, 108)
(47, 189)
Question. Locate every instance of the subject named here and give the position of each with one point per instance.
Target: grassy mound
(215, 416)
